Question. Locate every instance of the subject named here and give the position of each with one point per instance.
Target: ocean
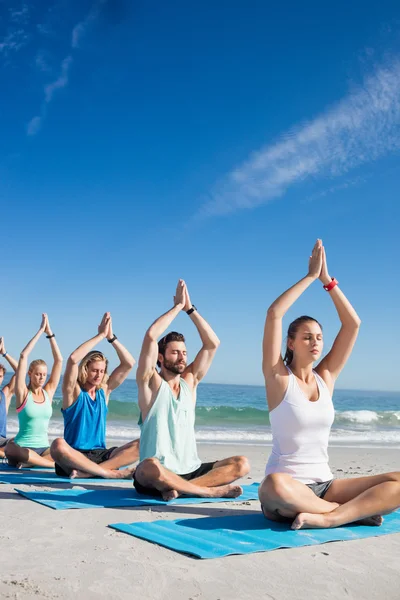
(237, 414)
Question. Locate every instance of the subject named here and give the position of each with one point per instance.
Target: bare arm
(330, 367)
(20, 386)
(8, 389)
(55, 374)
(199, 367)
(146, 374)
(11, 361)
(127, 361)
(70, 386)
(272, 342)
(149, 352)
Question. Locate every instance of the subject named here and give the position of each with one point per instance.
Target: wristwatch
(189, 312)
(114, 337)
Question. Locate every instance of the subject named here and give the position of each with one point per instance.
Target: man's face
(175, 358)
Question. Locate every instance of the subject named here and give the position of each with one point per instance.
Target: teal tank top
(34, 420)
(168, 430)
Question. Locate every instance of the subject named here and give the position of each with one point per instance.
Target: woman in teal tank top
(30, 446)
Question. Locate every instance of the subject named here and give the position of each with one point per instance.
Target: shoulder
(325, 378)
(188, 380)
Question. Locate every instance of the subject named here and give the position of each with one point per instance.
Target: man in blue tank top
(169, 463)
(5, 395)
(86, 392)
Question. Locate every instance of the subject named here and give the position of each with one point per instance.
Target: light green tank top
(34, 420)
(168, 431)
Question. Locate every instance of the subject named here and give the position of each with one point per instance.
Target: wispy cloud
(35, 124)
(78, 31)
(16, 36)
(362, 127)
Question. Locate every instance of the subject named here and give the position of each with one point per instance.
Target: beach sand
(72, 554)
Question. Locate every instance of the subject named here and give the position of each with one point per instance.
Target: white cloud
(60, 82)
(362, 127)
(80, 29)
(34, 125)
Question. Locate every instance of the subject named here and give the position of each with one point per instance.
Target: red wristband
(331, 285)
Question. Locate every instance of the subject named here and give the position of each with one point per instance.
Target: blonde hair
(92, 356)
(2, 368)
(39, 362)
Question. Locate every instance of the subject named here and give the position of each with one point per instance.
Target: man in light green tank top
(169, 463)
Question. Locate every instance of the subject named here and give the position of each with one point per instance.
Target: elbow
(130, 363)
(213, 344)
(150, 336)
(273, 313)
(73, 359)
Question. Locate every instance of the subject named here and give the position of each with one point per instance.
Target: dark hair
(291, 334)
(2, 368)
(172, 336)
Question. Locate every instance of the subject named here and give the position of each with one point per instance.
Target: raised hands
(44, 323)
(315, 260)
(324, 274)
(2, 346)
(180, 294)
(104, 327)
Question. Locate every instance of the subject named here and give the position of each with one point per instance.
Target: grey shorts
(3, 441)
(39, 451)
(320, 489)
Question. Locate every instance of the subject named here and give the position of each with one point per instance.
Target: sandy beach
(72, 554)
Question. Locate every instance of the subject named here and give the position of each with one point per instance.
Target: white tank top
(300, 434)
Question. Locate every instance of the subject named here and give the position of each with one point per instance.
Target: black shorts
(98, 456)
(203, 469)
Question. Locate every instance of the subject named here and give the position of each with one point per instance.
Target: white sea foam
(363, 434)
(358, 416)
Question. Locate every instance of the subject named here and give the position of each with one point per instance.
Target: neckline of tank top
(44, 397)
(302, 391)
(180, 388)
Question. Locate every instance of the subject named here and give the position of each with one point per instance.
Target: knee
(242, 466)
(58, 448)
(394, 476)
(11, 450)
(275, 486)
(148, 470)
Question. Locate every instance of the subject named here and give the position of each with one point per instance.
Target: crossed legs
(346, 501)
(78, 465)
(217, 483)
(19, 456)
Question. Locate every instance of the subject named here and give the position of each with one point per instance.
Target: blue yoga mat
(127, 497)
(211, 537)
(46, 477)
(9, 469)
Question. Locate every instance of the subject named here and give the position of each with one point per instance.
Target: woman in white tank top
(299, 484)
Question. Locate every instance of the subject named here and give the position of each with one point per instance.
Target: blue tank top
(3, 415)
(85, 421)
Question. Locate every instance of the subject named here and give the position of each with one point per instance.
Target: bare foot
(310, 521)
(76, 474)
(107, 474)
(375, 521)
(124, 473)
(226, 491)
(170, 495)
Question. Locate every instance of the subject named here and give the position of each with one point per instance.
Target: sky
(146, 141)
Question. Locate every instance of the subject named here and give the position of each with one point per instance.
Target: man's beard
(172, 367)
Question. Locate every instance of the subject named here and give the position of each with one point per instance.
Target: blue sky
(146, 141)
